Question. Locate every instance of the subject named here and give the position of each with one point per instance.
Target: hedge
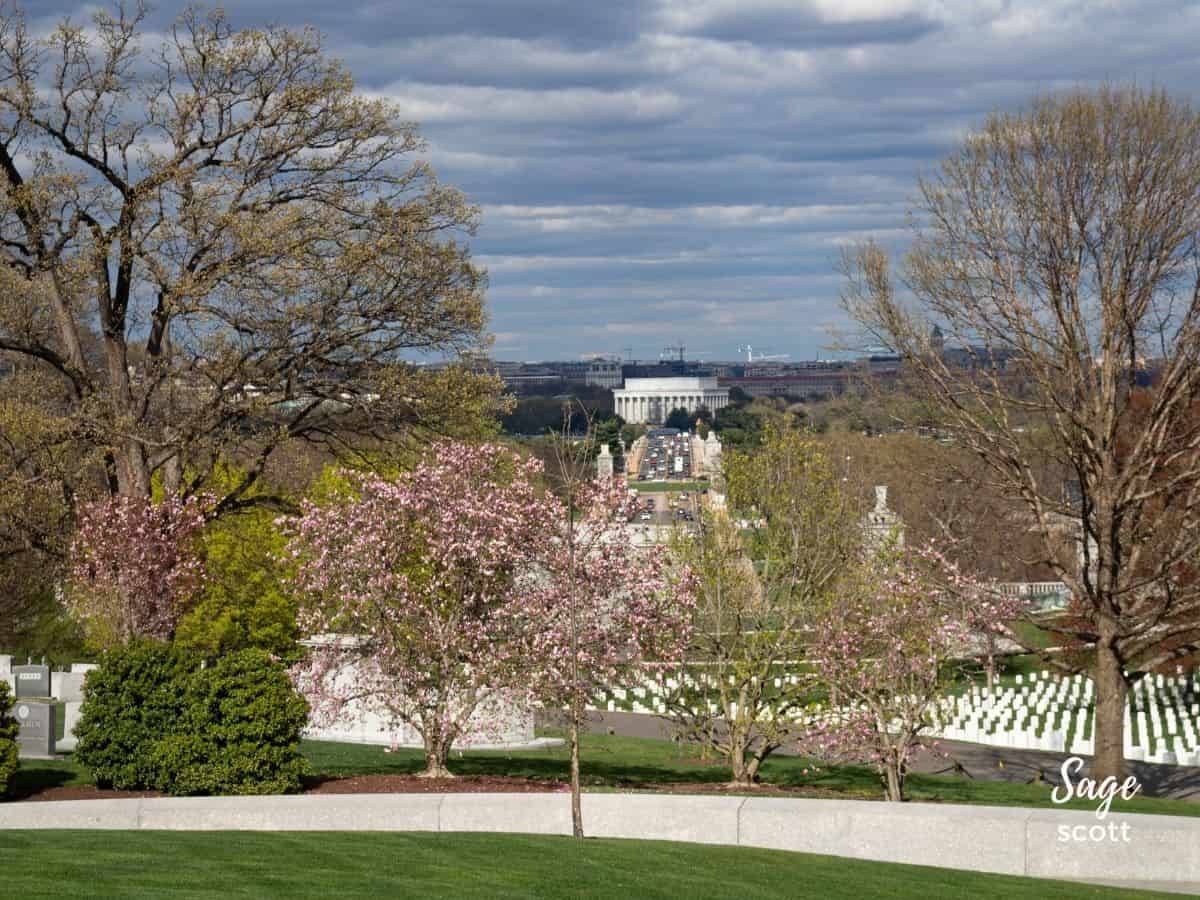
(155, 718)
(9, 727)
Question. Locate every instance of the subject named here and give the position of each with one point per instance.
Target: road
(979, 761)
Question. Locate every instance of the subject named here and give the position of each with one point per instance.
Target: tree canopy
(213, 246)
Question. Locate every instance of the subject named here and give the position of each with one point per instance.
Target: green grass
(347, 865)
(624, 763)
(674, 487)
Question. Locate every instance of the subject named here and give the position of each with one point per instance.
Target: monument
(604, 465)
(881, 524)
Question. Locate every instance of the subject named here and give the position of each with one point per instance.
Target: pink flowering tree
(886, 649)
(135, 567)
(430, 581)
(987, 616)
(608, 610)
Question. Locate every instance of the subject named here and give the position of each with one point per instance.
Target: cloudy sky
(654, 171)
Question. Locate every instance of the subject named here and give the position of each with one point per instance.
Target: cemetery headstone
(71, 714)
(37, 721)
(32, 681)
(67, 686)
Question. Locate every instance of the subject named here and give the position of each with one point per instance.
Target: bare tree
(218, 247)
(1057, 252)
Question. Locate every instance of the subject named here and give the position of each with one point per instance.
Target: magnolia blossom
(431, 577)
(883, 650)
(457, 587)
(607, 609)
(135, 569)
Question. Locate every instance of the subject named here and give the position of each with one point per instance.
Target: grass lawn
(674, 487)
(345, 865)
(623, 763)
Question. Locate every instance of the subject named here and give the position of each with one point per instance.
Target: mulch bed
(411, 784)
(82, 792)
(466, 784)
(353, 784)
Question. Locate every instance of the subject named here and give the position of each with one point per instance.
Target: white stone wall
(498, 723)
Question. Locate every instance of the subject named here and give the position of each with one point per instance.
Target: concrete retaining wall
(1161, 849)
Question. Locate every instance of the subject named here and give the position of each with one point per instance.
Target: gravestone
(71, 713)
(32, 681)
(36, 737)
(67, 686)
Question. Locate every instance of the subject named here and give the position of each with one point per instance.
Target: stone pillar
(604, 465)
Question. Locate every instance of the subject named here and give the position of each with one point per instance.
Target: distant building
(650, 400)
(604, 373)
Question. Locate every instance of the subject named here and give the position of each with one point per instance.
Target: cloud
(653, 170)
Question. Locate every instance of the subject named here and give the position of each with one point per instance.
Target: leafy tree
(37, 464)
(234, 263)
(758, 591)
(244, 601)
(1059, 260)
(608, 431)
(679, 418)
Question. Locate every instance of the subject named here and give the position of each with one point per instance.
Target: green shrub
(154, 718)
(240, 731)
(133, 699)
(8, 738)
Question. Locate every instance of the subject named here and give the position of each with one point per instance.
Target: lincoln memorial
(650, 400)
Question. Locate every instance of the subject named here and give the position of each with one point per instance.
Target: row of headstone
(1046, 711)
(37, 690)
(650, 697)
(1041, 711)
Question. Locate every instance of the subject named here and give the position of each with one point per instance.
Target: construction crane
(761, 357)
(673, 349)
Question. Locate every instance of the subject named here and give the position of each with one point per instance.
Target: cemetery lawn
(611, 762)
(364, 864)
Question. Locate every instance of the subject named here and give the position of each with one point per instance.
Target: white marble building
(499, 722)
(650, 400)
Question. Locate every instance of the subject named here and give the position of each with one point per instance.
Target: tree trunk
(894, 781)
(437, 751)
(737, 763)
(576, 800)
(1108, 731)
(991, 672)
(743, 771)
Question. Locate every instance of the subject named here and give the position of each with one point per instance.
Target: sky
(656, 172)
